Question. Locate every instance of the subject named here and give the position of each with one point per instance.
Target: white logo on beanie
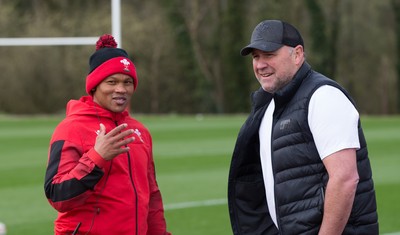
(126, 63)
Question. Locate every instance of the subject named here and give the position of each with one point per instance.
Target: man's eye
(111, 82)
(129, 82)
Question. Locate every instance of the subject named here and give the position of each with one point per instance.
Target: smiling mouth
(120, 100)
(265, 74)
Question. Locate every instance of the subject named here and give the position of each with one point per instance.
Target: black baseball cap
(270, 35)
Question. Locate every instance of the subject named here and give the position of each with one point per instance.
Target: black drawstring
(76, 229)
(134, 188)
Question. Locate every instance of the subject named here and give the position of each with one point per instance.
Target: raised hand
(111, 144)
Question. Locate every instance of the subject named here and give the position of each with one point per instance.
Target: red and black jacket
(120, 196)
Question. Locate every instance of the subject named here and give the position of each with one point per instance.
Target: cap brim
(263, 46)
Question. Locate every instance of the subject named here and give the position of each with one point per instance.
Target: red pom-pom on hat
(106, 40)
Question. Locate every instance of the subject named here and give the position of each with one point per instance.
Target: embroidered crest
(126, 63)
(137, 132)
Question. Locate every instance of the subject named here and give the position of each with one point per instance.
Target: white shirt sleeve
(333, 121)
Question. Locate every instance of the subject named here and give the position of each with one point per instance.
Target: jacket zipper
(134, 188)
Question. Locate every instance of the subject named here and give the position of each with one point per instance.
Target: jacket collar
(285, 94)
(261, 97)
(85, 106)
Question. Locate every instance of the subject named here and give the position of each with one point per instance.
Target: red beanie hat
(108, 60)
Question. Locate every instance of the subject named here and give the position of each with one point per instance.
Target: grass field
(192, 155)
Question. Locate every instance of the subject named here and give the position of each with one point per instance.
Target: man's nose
(120, 87)
(261, 64)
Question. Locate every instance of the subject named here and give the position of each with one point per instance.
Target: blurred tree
(396, 10)
(200, 27)
(233, 80)
(319, 38)
(149, 41)
(187, 52)
(188, 72)
(45, 78)
(365, 58)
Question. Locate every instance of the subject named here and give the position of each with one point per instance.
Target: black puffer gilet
(300, 176)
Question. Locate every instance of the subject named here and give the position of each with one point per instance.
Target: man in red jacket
(100, 175)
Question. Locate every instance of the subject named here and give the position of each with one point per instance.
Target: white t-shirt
(333, 121)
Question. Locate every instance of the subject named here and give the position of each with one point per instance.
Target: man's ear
(299, 54)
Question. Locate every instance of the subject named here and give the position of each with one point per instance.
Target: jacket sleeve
(71, 175)
(156, 220)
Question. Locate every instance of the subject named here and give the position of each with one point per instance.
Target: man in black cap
(300, 164)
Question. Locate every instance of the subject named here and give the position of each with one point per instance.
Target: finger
(122, 150)
(120, 135)
(117, 129)
(121, 139)
(124, 142)
(102, 129)
(123, 134)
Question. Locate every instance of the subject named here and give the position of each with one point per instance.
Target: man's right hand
(111, 144)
